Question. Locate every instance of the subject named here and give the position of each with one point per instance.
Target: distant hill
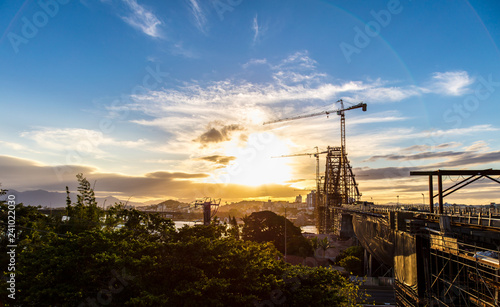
(166, 205)
(57, 199)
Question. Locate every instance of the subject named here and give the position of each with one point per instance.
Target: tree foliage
(129, 258)
(351, 259)
(84, 214)
(267, 226)
(195, 266)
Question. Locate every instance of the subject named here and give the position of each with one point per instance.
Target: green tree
(84, 214)
(234, 229)
(356, 251)
(314, 244)
(139, 259)
(324, 244)
(318, 286)
(352, 260)
(352, 264)
(267, 226)
(31, 230)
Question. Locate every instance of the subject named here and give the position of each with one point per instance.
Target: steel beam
(440, 191)
(485, 172)
(431, 196)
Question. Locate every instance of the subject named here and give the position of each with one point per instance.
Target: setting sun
(254, 164)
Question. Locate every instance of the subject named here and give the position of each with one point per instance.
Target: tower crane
(340, 185)
(310, 154)
(343, 179)
(340, 112)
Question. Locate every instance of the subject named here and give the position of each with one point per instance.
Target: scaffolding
(463, 274)
(340, 188)
(438, 260)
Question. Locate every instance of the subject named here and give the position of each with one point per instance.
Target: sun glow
(254, 164)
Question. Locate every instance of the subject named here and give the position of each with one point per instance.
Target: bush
(352, 259)
(352, 264)
(356, 251)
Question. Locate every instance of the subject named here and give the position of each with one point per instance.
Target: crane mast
(310, 154)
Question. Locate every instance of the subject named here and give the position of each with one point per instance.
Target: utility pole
(285, 232)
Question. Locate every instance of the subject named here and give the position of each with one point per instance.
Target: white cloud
(83, 140)
(478, 146)
(259, 29)
(255, 28)
(453, 83)
(387, 94)
(16, 147)
(142, 19)
(380, 117)
(298, 60)
(296, 87)
(198, 14)
(254, 62)
(388, 140)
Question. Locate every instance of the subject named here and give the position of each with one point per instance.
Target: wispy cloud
(198, 14)
(478, 146)
(418, 156)
(425, 147)
(84, 140)
(297, 60)
(295, 87)
(453, 83)
(386, 94)
(142, 19)
(254, 62)
(379, 117)
(255, 28)
(259, 29)
(17, 147)
(202, 113)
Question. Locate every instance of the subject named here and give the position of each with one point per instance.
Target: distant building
(311, 199)
(267, 206)
(298, 199)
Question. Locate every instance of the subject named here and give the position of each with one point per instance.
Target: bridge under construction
(444, 256)
(437, 256)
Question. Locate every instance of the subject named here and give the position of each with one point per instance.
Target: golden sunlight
(254, 164)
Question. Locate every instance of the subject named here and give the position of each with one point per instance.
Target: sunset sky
(166, 99)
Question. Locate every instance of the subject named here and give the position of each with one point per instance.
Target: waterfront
(305, 229)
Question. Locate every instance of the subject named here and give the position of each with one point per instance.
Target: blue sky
(166, 99)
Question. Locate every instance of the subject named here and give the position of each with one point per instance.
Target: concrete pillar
(368, 263)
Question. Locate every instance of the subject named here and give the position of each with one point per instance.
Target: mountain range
(57, 199)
